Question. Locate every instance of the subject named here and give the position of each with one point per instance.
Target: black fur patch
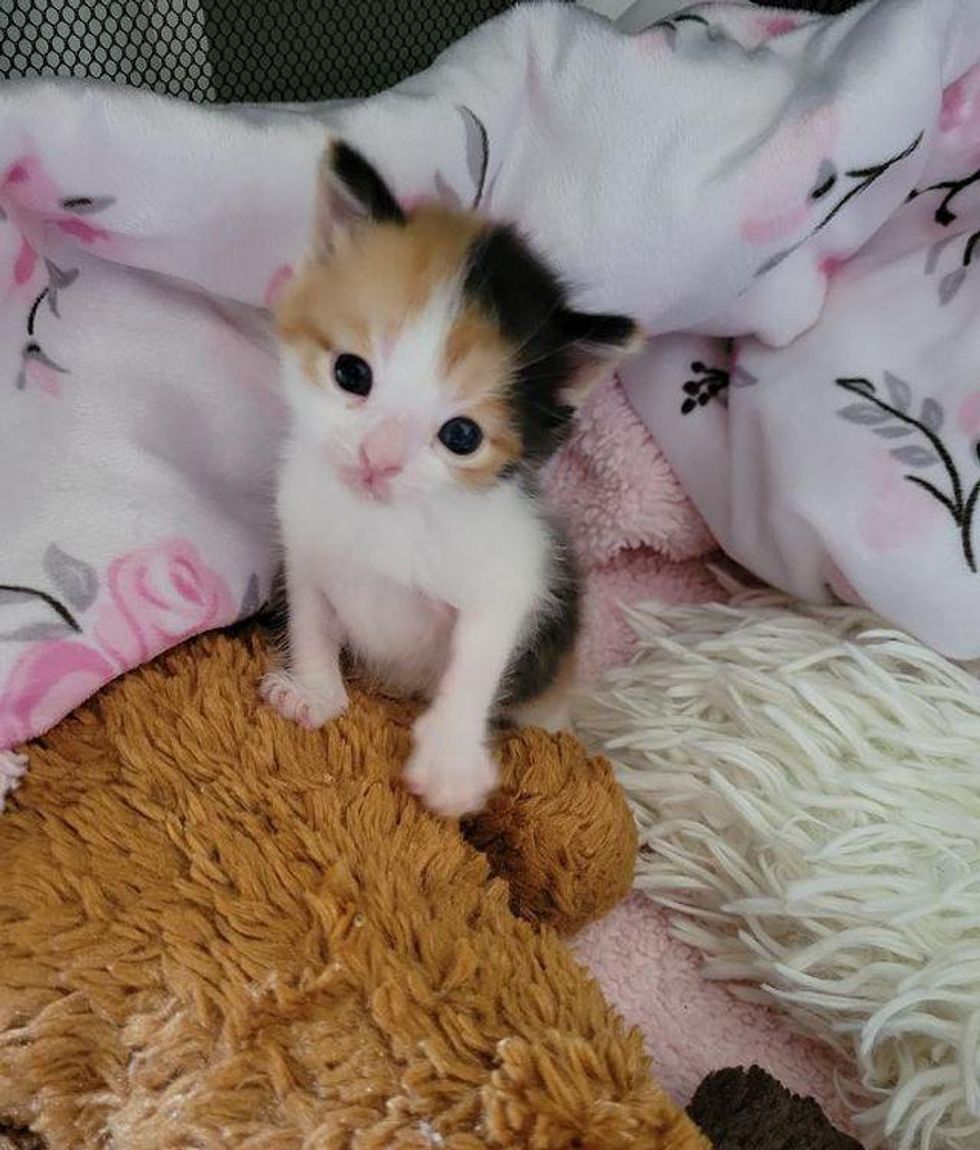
(274, 616)
(365, 185)
(536, 665)
(529, 303)
(598, 331)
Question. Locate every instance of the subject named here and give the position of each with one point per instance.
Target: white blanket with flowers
(736, 178)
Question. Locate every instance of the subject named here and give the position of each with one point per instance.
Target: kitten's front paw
(309, 702)
(452, 775)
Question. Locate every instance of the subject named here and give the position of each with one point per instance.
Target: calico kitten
(432, 365)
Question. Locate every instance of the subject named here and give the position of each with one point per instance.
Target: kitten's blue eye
(352, 374)
(460, 435)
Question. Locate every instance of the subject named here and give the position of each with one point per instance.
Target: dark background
(258, 50)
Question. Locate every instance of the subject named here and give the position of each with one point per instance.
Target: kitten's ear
(599, 343)
(349, 192)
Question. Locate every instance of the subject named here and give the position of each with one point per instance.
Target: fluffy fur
(225, 932)
(806, 783)
(432, 366)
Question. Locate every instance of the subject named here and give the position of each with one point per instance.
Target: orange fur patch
(378, 278)
(555, 700)
(479, 365)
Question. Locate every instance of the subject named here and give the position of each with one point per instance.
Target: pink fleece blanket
(693, 1026)
(638, 537)
(636, 534)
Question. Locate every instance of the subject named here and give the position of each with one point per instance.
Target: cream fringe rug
(807, 785)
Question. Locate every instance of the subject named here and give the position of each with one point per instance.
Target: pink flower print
(831, 266)
(25, 263)
(17, 174)
(779, 26)
(653, 41)
(26, 186)
(160, 595)
(959, 117)
(37, 370)
(929, 467)
(18, 256)
(897, 512)
(81, 230)
(784, 181)
(277, 285)
(48, 680)
(968, 416)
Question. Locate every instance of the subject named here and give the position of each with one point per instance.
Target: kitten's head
(429, 350)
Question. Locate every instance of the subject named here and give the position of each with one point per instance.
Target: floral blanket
(725, 173)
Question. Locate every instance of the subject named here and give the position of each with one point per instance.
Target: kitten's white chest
(394, 630)
(394, 573)
(373, 565)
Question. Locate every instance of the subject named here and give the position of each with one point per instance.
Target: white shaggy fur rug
(807, 783)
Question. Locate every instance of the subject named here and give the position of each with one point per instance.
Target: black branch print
(76, 586)
(892, 419)
(477, 141)
(829, 180)
(10, 592)
(712, 383)
(32, 352)
(944, 215)
(864, 178)
(58, 280)
(673, 24)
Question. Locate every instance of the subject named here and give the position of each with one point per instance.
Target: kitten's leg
(310, 689)
(451, 767)
(551, 711)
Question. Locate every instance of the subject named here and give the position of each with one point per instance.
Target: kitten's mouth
(370, 485)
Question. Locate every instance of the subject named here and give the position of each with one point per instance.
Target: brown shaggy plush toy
(218, 930)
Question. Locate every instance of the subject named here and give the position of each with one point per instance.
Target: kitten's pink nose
(383, 450)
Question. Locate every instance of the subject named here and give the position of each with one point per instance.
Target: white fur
(807, 784)
(12, 768)
(431, 587)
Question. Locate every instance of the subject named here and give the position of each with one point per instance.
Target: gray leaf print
(57, 281)
(826, 178)
(950, 284)
(899, 390)
(477, 150)
(937, 249)
(35, 631)
(864, 385)
(76, 581)
(914, 456)
(87, 205)
(894, 431)
(251, 600)
(931, 415)
(742, 378)
(33, 354)
(445, 193)
(774, 261)
(865, 413)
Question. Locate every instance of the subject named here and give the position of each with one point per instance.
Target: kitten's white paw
(453, 775)
(12, 768)
(310, 702)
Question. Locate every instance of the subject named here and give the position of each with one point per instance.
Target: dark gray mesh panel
(160, 45)
(296, 50)
(228, 50)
